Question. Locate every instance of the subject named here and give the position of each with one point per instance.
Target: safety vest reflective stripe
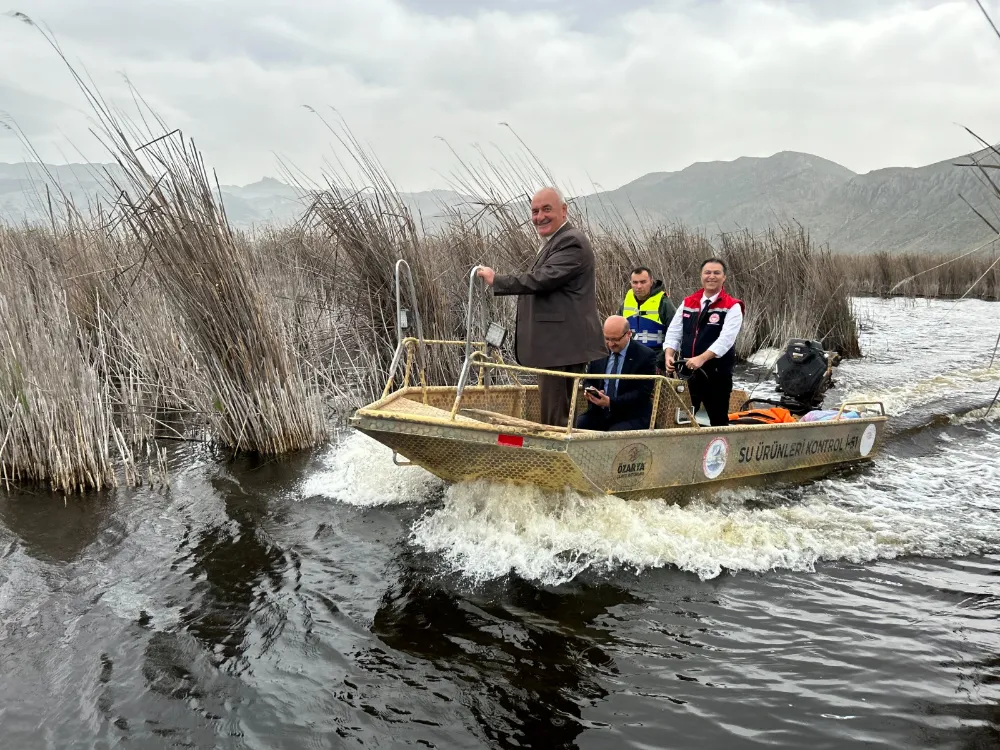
(648, 337)
(644, 319)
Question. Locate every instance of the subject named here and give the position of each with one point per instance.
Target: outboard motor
(804, 374)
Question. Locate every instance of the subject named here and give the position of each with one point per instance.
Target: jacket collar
(565, 225)
(545, 245)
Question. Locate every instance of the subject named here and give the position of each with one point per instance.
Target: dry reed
(974, 275)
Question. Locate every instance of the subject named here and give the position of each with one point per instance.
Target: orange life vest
(774, 415)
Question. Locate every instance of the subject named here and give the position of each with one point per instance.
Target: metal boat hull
(666, 463)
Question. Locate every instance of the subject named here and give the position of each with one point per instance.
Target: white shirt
(727, 336)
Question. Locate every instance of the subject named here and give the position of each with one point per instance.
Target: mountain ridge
(915, 209)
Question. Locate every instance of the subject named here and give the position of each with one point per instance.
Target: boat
(485, 427)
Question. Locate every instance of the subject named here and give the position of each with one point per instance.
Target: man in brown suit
(558, 327)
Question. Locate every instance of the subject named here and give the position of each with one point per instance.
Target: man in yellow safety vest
(648, 310)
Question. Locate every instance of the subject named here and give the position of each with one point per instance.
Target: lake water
(336, 600)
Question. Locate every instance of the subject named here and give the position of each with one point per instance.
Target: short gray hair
(557, 191)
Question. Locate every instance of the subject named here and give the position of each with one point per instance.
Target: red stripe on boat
(515, 441)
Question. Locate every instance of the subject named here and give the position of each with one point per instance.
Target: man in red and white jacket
(703, 331)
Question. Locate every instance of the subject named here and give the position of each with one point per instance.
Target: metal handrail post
(394, 365)
(459, 390)
(468, 311)
(416, 312)
(571, 417)
(473, 280)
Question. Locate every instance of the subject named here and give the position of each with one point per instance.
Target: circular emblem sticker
(713, 462)
(868, 440)
(713, 318)
(631, 464)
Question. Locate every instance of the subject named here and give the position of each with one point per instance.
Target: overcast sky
(602, 93)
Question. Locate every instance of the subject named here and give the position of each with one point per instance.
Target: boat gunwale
(559, 435)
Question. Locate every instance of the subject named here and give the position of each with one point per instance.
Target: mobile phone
(590, 389)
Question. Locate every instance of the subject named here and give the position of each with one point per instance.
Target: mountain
(23, 196)
(893, 209)
(726, 195)
(913, 210)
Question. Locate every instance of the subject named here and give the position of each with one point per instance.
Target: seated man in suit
(619, 404)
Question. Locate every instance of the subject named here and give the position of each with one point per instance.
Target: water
(336, 600)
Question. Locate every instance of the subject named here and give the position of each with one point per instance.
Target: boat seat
(666, 412)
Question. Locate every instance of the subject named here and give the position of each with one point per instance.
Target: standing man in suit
(558, 327)
(704, 330)
(620, 404)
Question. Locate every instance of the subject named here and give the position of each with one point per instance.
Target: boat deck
(516, 406)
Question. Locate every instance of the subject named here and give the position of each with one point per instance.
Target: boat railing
(854, 407)
(410, 345)
(480, 360)
(402, 323)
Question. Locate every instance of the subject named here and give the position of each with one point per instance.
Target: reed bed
(257, 342)
(973, 275)
(56, 407)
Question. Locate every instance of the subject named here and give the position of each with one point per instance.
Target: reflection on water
(234, 566)
(529, 657)
(52, 528)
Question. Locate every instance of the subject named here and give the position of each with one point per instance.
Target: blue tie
(613, 388)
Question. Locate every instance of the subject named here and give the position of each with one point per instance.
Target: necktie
(614, 371)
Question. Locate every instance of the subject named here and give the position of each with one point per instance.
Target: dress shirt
(618, 370)
(727, 336)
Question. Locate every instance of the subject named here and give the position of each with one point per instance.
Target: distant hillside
(268, 201)
(915, 210)
(725, 195)
(894, 209)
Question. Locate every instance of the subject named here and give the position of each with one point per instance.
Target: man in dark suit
(558, 327)
(620, 404)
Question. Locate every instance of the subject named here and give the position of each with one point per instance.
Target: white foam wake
(989, 414)
(935, 506)
(361, 472)
(979, 382)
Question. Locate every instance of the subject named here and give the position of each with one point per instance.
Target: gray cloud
(605, 92)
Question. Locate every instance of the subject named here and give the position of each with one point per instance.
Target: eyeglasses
(615, 341)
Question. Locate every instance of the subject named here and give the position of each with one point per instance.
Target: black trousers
(554, 394)
(713, 389)
(596, 418)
